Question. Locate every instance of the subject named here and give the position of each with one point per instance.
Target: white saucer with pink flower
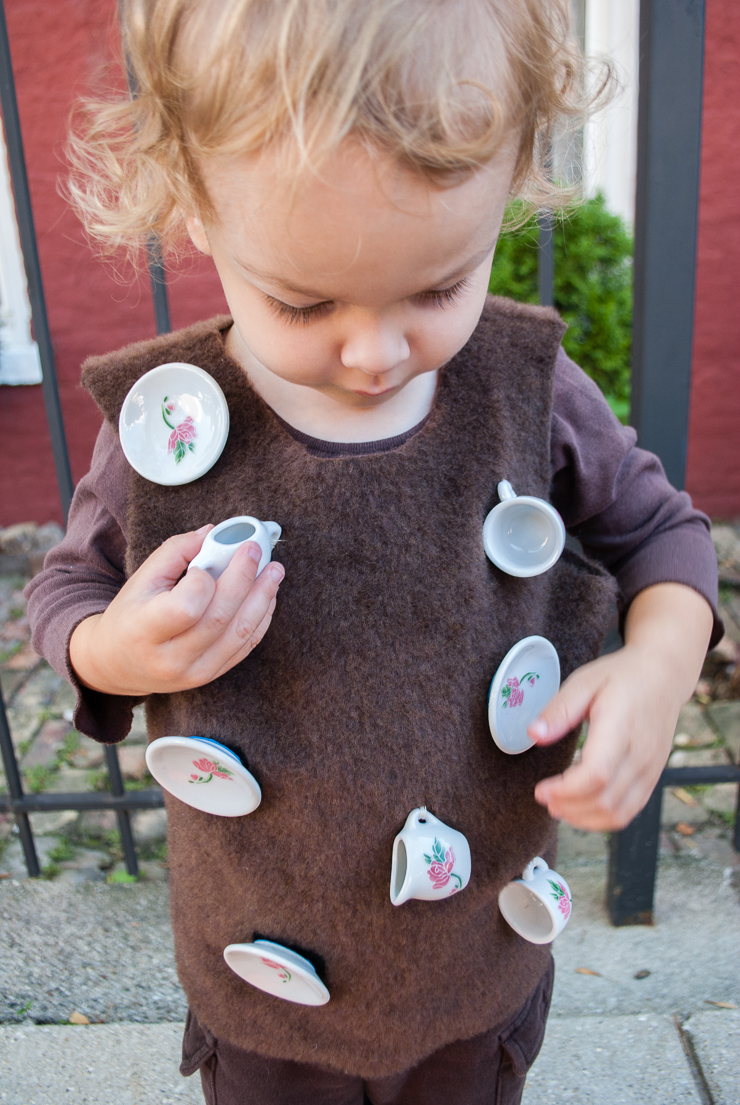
(204, 774)
(527, 678)
(173, 424)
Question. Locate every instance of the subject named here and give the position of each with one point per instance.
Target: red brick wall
(713, 475)
(60, 46)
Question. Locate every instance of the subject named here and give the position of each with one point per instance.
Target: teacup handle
(537, 864)
(505, 491)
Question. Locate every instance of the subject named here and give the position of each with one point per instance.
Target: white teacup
(430, 861)
(538, 905)
(225, 538)
(522, 535)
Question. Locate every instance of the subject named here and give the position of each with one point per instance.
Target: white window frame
(19, 354)
(610, 140)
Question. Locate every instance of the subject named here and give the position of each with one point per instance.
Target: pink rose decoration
(439, 870)
(271, 963)
(516, 695)
(184, 432)
(439, 875)
(210, 769)
(204, 765)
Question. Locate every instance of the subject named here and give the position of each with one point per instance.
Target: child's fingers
(569, 706)
(229, 634)
(251, 643)
(606, 811)
(240, 601)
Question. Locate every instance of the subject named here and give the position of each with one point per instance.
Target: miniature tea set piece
(204, 774)
(527, 679)
(430, 860)
(278, 971)
(538, 905)
(173, 424)
(522, 535)
(223, 540)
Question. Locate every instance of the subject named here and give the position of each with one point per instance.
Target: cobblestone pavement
(80, 848)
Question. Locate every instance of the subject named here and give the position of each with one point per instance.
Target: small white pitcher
(523, 535)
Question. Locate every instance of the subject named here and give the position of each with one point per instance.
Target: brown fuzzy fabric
(366, 699)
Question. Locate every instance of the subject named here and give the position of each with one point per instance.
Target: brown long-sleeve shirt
(613, 497)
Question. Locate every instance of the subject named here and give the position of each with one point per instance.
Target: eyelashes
(446, 297)
(298, 315)
(303, 315)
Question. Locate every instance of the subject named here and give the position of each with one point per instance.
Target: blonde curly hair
(439, 85)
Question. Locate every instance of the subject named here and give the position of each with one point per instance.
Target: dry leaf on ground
(720, 1004)
(587, 971)
(685, 797)
(78, 1018)
(684, 829)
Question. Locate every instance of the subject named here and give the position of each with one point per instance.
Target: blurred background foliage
(593, 289)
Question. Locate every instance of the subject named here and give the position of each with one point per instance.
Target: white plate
(277, 971)
(527, 678)
(174, 424)
(204, 774)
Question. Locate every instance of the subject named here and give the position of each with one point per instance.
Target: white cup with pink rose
(430, 860)
(538, 905)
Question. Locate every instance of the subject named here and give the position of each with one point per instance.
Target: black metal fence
(669, 136)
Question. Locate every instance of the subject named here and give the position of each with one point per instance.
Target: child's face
(365, 279)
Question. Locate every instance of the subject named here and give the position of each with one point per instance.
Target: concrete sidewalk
(632, 1018)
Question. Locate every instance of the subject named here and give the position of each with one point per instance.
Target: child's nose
(375, 348)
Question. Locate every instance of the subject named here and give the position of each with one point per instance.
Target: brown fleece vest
(367, 698)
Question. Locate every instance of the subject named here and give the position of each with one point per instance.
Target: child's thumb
(166, 564)
(567, 709)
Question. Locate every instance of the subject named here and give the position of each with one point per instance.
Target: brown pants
(489, 1069)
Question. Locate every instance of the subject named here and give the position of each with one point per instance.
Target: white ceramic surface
(538, 905)
(277, 971)
(527, 678)
(522, 535)
(430, 860)
(204, 774)
(224, 539)
(174, 423)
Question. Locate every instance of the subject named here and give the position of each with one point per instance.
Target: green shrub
(593, 290)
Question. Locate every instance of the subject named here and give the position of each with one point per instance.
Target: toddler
(346, 164)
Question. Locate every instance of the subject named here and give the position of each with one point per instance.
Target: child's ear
(197, 234)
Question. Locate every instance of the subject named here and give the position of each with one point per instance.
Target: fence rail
(669, 126)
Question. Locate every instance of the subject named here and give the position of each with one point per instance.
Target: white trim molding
(19, 355)
(610, 142)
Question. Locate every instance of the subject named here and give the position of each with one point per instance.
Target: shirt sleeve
(616, 500)
(81, 576)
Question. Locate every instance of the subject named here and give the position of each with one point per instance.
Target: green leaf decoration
(427, 858)
(505, 691)
(439, 852)
(191, 447)
(559, 892)
(179, 451)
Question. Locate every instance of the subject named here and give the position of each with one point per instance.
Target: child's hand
(631, 699)
(159, 635)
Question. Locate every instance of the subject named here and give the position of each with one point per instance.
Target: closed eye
(444, 297)
(298, 315)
